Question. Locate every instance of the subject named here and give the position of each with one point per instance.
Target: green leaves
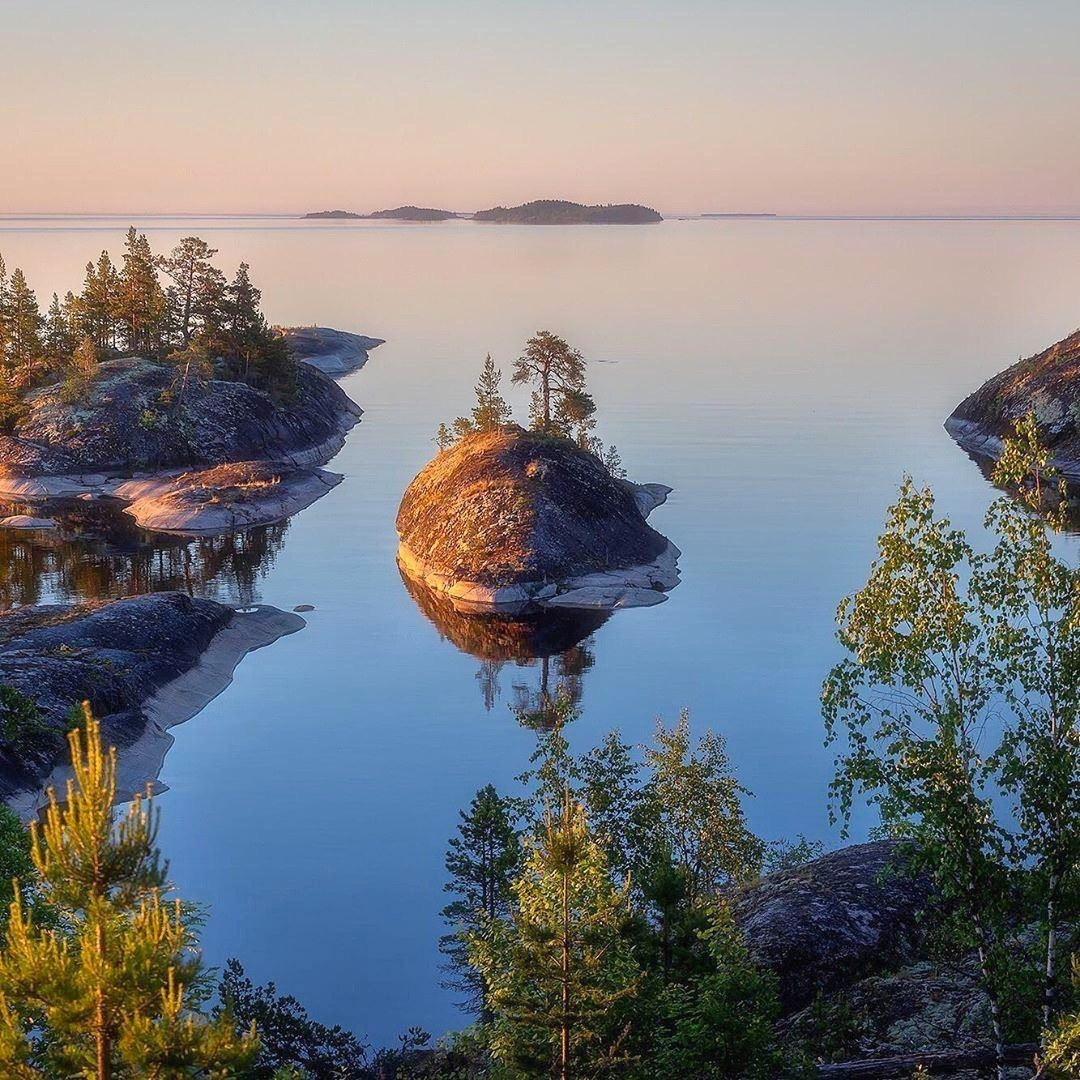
(955, 710)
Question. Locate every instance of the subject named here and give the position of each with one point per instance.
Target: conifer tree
(559, 968)
(481, 860)
(98, 302)
(491, 409)
(140, 301)
(107, 990)
(196, 294)
(557, 374)
(4, 332)
(24, 325)
(56, 339)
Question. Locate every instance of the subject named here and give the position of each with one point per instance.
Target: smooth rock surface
(333, 352)
(123, 657)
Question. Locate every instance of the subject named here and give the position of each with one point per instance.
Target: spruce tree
(481, 860)
(140, 301)
(24, 325)
(108, 988)
(98, 302)
(559, 967)
(56, 339)
(491, 409)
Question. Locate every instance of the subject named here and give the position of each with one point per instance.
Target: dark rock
(838, 919)
(115, 655)
(129, 422)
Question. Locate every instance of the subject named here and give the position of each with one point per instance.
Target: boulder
(836, 920)
(510, 518)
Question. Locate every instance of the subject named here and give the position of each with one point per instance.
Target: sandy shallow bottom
(139, 763)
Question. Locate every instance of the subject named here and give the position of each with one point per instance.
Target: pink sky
(792, 107)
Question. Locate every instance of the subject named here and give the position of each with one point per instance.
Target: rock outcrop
(119, 656)
(208, 457)
(508, 519)
(333, 352)
(850, 914)
(1047, 385)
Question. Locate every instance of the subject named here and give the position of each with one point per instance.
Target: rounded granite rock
(507, 519)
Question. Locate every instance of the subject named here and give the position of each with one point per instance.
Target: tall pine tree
(107, 988)
(559, 968)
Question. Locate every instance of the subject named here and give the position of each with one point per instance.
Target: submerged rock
(506, 519)
(1047, 385)
(119, 656)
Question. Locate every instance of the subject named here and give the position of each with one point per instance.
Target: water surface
(780, 375)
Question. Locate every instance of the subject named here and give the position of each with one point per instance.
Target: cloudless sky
(797, 107)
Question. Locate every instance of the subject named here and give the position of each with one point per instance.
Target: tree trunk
(101, 1035)
(944, 1063)
(564, 1055)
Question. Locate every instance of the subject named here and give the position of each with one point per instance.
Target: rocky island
(507, 519)
(145, 664)
(178, 399)
(222, 456)
(332, 215)
(1046, 385)
(561, 212)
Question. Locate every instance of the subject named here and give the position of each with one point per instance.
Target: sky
(920, 106)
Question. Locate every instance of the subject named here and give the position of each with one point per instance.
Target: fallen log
(942, 1063)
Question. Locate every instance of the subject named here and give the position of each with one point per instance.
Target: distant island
(415, 213)
(399, 213)
(737, 215)
(537, 212)
(561, 212)
(334, 215)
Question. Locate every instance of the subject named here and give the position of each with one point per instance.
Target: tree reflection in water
(551, 650)
(98, 552)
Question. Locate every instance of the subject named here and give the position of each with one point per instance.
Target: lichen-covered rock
(502, 515)
(114, 655)
(1047, 385)
(833, 921)
(133, 418)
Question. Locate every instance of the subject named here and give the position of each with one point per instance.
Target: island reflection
(550, 651)
(97, 552)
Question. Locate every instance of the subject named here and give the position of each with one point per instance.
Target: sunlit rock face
(133, 417)
(507, 519)
(1047, 385)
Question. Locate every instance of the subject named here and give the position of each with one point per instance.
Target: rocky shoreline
(225, 457)
(145, 664)
(1046, 385)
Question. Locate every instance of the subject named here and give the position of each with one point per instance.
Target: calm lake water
(780, 375)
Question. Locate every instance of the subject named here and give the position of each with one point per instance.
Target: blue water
(780, 375)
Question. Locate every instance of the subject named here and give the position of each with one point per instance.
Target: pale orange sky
(893, 107)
